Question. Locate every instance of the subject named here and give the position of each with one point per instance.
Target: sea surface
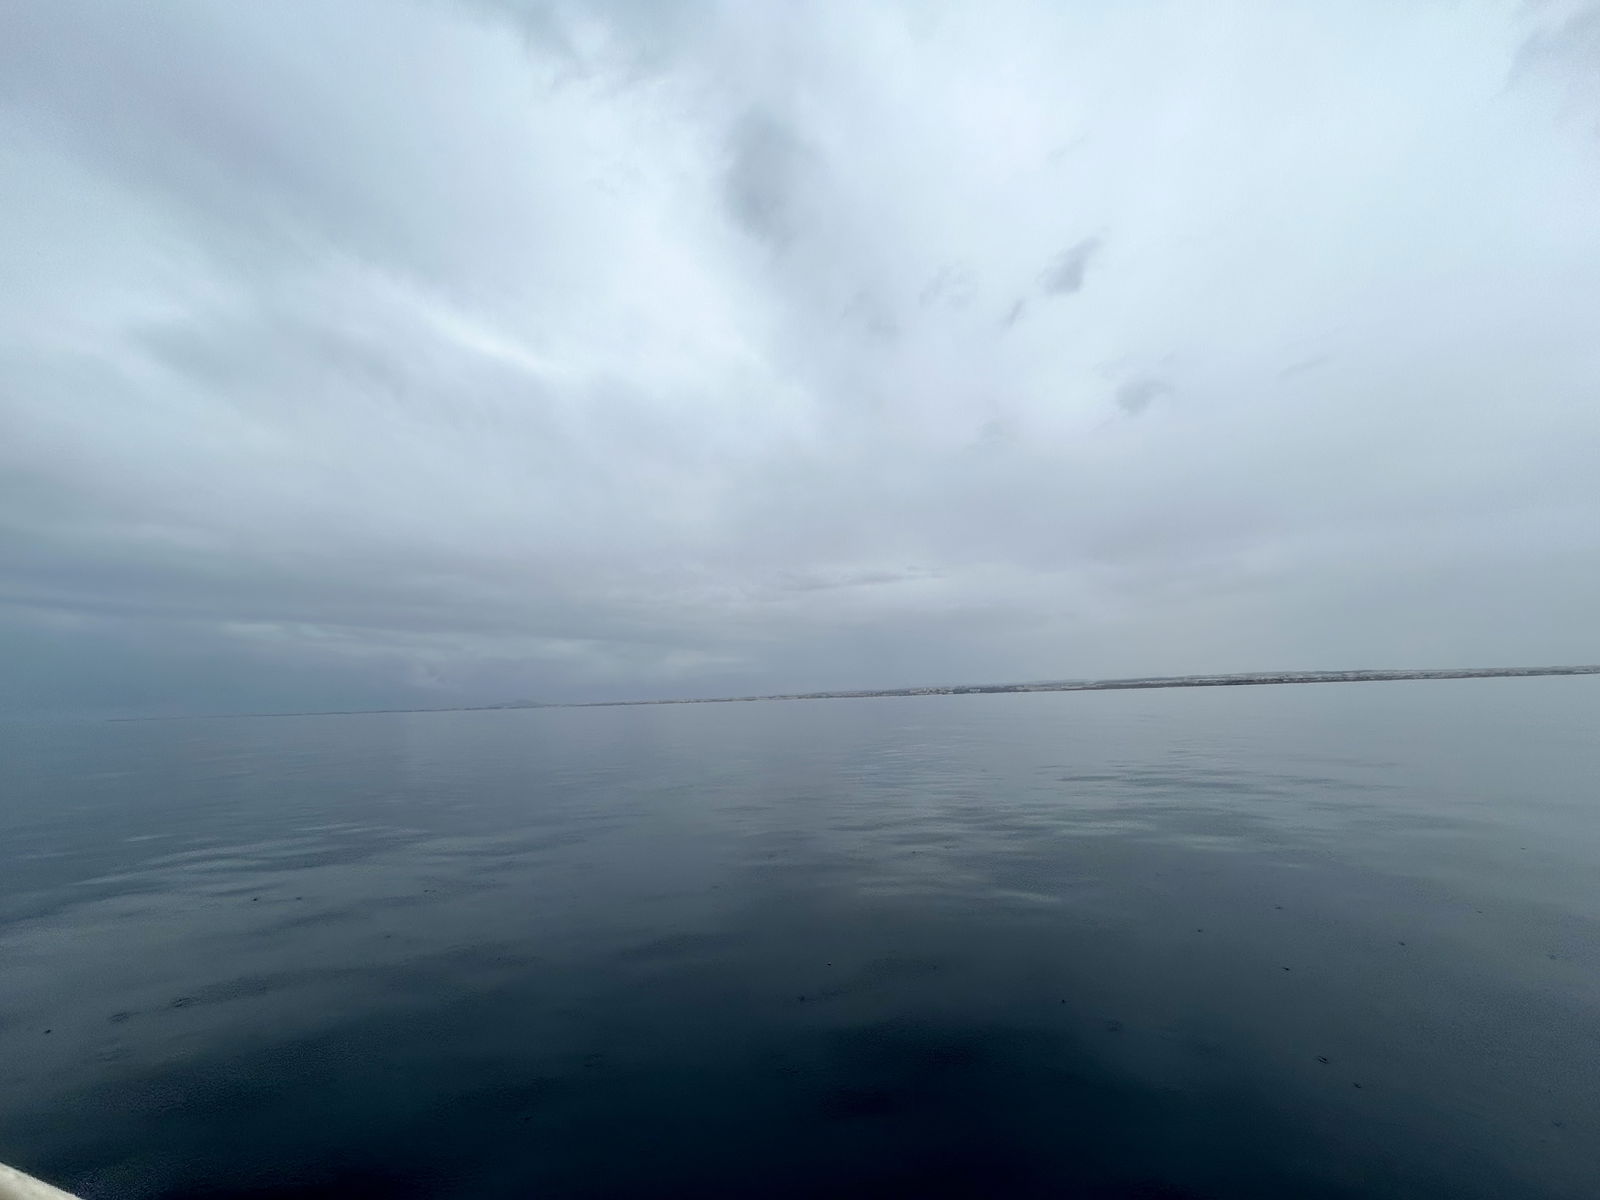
(1311, 941)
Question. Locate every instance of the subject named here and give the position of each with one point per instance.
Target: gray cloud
(765, 177)
(456, 350)
(1065, 274)
(1137, 395)
(1567, 47)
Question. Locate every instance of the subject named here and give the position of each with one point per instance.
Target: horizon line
(1133, 683)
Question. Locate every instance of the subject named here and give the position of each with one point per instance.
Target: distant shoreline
(1242, 679)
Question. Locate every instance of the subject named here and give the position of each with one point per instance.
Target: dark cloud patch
(765, 176)
(1574, 43)
(1065, 275)
(1563, 59)
(799, 582)
(1137, 395)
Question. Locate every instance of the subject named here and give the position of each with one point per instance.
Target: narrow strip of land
(1244, 679)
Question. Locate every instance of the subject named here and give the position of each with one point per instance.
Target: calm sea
(1316, 941)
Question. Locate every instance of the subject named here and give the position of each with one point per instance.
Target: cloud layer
(436, 350)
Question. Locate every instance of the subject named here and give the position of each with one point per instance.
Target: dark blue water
(1326, 941)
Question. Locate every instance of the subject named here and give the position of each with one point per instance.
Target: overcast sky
(425, 351)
